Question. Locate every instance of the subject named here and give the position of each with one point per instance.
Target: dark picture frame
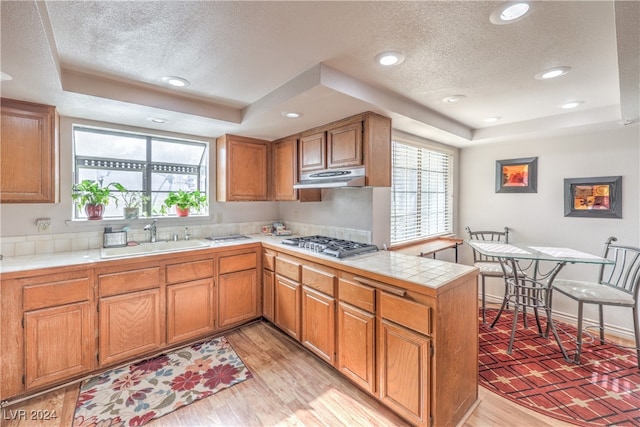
(517, 175)
(596, 197)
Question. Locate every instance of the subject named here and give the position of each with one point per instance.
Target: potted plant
(133, 201)
(93, 197)
(185, 200)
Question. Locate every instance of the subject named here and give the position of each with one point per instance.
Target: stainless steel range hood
(332, 178)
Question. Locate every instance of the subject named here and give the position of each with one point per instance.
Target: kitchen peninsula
(402, 328)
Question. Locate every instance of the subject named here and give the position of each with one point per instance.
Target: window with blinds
(421, 202)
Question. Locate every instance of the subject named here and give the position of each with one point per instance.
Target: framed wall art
(598, 197)
(517, 175)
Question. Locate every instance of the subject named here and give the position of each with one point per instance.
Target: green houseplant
(94, 197)
(133, 201)
(186, 200)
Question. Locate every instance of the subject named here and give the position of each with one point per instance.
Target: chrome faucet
(154, 230)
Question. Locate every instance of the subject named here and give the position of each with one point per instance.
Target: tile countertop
(418, 270)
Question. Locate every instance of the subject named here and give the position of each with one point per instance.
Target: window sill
(138, 222)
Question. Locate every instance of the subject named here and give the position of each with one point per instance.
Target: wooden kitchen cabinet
(313, 149)
(360, 140)
(287, 306)
(58, 328)
(28, 153)
(404, 371)
(242, 169)
(238, 290)
(288, 292)
(131, 312)
(268, 284)
(318, 310)
(191, 307)
(356, 353)
(285, 170)
(344, 145)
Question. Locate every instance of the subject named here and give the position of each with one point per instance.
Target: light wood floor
(290, 387)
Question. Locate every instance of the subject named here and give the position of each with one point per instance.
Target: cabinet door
(287, 306)
(238, 295)
(242, 169)
(130, 325)
(313, 152)
(404, 370)
(28, 150)
(58, 343)
(318, 323)
(356, 346)
(190, 310)
(268, 283)
(285, 165)
(344, 146)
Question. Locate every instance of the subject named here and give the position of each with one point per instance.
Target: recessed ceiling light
(492, 119)
(389, 58)
(5, 76)
(291, 114)
(157, 120)
(509, 12)
(176, 81)
(453, 98)
(571, 105)
(552, 73)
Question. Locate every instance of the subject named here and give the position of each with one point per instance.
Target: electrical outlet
(218, 217)
(44, 225)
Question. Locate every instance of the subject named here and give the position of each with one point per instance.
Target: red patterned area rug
(604, 389)
(136, 394)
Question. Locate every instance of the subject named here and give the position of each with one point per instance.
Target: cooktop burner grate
(335, 247)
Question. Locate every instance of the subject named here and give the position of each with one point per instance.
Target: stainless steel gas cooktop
(330, 246)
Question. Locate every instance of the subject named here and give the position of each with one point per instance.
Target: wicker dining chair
(487, 266)
(617, 285)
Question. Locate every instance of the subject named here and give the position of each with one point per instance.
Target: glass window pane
(173, 182)
(180, 153)
(104, 145)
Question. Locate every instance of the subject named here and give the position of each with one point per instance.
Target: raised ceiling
(247, 62)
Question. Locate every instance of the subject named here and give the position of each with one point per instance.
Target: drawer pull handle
(387, 288)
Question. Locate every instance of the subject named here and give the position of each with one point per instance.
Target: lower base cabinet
(318, 323)
(58, 343)
(190, 310)
(356, 346)
(287, 306)
(130, 325)
(238, 293)
(404, 358)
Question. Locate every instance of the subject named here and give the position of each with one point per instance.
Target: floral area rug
(135, 394)
(604, 389)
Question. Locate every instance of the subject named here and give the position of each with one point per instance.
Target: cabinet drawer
(57, 293)
(187, 271)
(288, 268)
(320, 280)
(269, 261)
(357, 295)
(128, 281)
(231, 263)
(406, 313)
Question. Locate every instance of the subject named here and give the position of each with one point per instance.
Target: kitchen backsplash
(66, 242)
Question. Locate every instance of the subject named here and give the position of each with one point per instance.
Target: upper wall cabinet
(28, 153)
(285, 173)
(361, 140)
(242, 169)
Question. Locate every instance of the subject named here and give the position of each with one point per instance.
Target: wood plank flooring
(291, 387)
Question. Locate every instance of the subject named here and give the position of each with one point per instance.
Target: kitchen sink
(152, 248)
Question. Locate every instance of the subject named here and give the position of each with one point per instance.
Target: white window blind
(421, 202)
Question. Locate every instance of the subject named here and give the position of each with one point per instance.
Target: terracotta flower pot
(94, 211)
(182, 212)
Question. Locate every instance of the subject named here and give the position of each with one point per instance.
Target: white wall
(539, 217)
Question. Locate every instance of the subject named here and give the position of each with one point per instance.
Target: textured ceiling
(249, 61)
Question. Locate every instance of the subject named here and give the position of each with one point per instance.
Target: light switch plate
(44, 225)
